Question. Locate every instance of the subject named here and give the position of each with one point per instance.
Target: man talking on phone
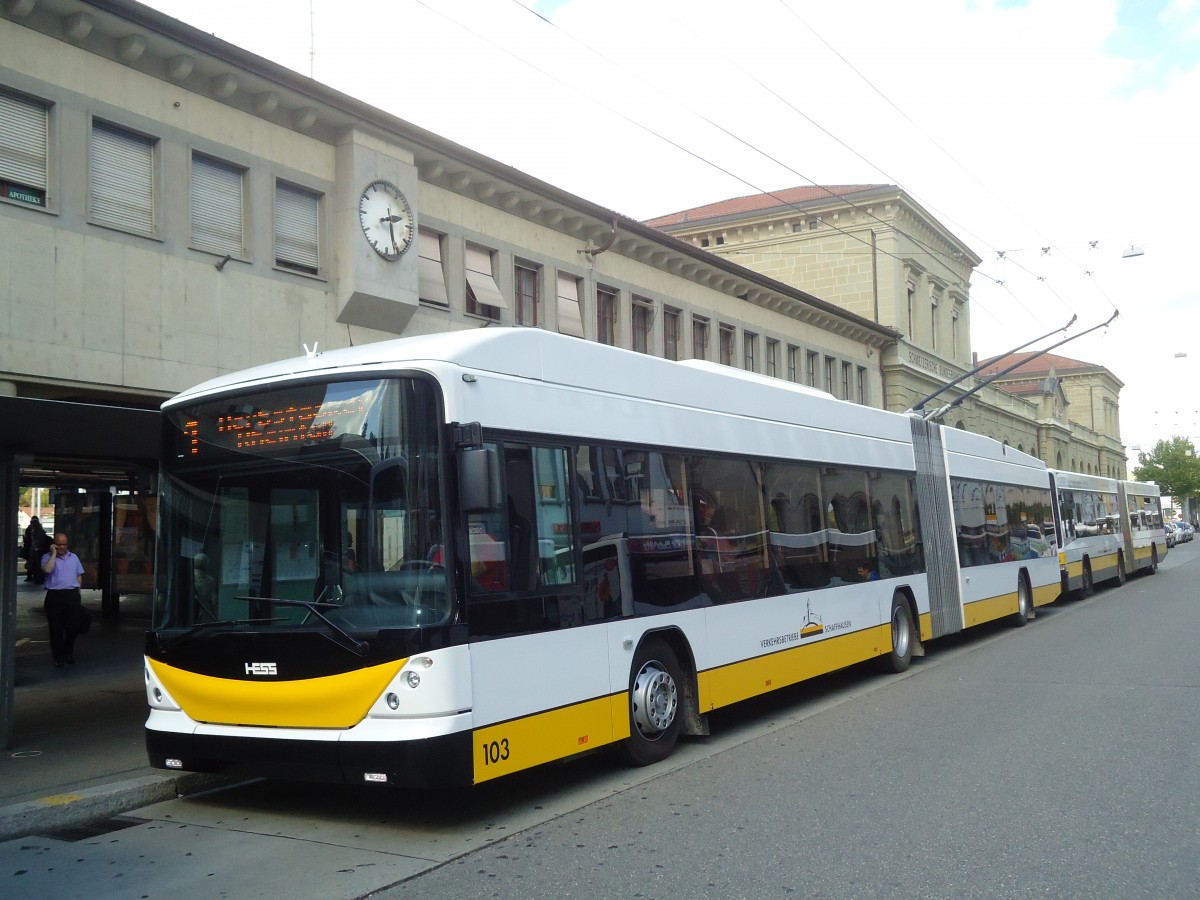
(64, 574)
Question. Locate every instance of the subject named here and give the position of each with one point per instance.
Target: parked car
(1186, 532)
(1172, 534)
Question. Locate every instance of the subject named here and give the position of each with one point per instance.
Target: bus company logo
(261, 668)
(812, 623)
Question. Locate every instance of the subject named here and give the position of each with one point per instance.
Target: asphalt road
(1058, 760)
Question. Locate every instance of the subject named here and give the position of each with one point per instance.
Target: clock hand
(391, 220)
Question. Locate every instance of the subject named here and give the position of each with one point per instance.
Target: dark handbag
(81, 620)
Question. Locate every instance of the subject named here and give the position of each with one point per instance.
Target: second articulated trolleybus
(1107, 529)
(442, 559)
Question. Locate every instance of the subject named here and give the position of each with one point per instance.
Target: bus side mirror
(479, 480)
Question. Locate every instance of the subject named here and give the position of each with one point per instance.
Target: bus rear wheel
(1120, 579)
(1089, 586)
(1024, 603)
(654, 697)
(903, 636)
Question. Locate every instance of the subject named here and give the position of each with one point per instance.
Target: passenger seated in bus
(705, 509)
(866, 572)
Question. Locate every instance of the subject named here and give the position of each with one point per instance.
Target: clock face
(386, 219)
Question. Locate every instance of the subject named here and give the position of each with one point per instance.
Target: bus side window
(555, 529)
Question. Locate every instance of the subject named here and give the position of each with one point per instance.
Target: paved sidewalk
(78, 749)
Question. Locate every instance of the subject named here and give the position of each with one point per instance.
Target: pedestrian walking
(35, 546)
(64, 606)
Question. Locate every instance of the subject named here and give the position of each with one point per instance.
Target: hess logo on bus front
(261, 668)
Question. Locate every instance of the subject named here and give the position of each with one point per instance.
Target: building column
(10, 476)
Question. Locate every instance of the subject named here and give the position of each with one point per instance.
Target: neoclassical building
(1078, 408)
(873, 250)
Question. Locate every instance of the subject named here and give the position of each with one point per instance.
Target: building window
(862, 385)
(810, 368)
(699, 338)
(483, 294)
(24, 150)
(122, 179)
(846, 367)
(726, 346)
(525, 282)
(643, 314)
(297, 228)
(912, 292)
(606, 315)
(703, 242)
(720, 239)
(772, 360)
(793, 364)
(933, 323)
(218, 222)
(749, 351)
(671, 333)
(830, 370)
(431, 274)
(814, 224)
(570, 317)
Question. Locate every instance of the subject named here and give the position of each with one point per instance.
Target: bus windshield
(308, 506)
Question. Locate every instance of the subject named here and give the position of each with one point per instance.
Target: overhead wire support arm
(937, 414)
(920, 405)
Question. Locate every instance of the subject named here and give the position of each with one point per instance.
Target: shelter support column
(10, 473)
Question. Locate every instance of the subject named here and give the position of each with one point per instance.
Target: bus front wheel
(654, 697)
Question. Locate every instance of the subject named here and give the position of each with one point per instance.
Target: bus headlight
(412, 678)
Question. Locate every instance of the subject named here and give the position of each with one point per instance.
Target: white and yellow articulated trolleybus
(1107, 530)
(442, 559)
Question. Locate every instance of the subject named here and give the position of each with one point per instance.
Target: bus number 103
(495, 751)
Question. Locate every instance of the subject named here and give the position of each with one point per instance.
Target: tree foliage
(1173, 466)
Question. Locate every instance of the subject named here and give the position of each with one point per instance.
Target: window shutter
(479, 277)
(217, 207)
(122, 179)
(297, 228)
(24, 128)
(570, 320)
(432, 276)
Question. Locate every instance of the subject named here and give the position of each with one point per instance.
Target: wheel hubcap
(900, 635)
(655, 700)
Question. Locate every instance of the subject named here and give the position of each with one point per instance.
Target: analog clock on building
(386, 219)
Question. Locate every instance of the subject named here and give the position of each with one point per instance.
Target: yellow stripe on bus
(555, 734)
(752, 677)
(334, 701)
(1047, 593)
(987, 610)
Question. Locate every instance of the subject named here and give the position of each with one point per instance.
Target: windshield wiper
(349, 642)
(216, 623)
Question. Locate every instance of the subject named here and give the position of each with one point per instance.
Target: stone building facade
(874, 250)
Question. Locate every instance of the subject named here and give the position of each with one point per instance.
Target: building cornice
(166, 48)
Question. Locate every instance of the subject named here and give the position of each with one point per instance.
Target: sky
(1051, 136)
